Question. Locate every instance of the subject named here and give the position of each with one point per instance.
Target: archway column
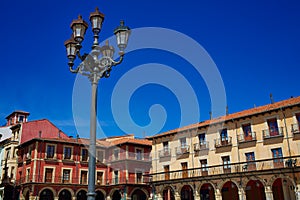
(196, 195)
(242, 193)
(269, 193)
(297, 192)
(157, 197)
(218, 194)
(177, 196)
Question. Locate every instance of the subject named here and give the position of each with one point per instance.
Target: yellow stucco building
(253, 154)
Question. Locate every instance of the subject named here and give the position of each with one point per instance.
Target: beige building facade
(252, 154)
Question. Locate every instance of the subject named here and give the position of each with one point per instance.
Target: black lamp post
(95, 66)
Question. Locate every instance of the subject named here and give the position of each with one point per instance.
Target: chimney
(40, 134)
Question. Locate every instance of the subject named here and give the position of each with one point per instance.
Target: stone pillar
(196, 195)
(269, 193)
(218, 194)
(177, 196)
(157, 197)
(242, 194)
(108, 197)
(297, 192)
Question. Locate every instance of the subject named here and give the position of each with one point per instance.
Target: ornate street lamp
(95, 66)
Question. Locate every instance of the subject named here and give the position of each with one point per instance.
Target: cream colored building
(252, 154)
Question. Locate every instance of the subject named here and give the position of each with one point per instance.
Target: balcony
(182, 149)
(249, 138)
(283, 164)
(273, 133)
(201, 146)
(295, 129)
(165, 153)
(223, 142)
(139, 156)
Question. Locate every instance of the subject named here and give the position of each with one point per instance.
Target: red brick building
(53, 166)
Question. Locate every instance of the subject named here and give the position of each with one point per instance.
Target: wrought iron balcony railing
(221, 142)
(230, 169)
(165, 152)
(247, 138)
(182, 149)
(295, 129)
(201, 146)
(273, 132)
(81, 180)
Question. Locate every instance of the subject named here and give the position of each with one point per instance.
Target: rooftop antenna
(271, 98)
(227, 110)
(210, 115)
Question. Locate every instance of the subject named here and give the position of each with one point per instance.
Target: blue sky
(254, 44)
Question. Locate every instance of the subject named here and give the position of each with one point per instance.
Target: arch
(48, 188)
(65, 188)
(138, 194)
(81, 195)
(143, 189)
(99, 195)
(277, 189)
(207, 191)
(64, 195)
(186, 193)
(255, 190)
(230, 191)
(46, 194)
(27, 195)
(168, 193)
(116, 195)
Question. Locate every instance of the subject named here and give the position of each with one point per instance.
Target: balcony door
(247, 132)
(167, 173)
(273, 127)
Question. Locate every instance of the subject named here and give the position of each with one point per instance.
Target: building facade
(57, 168)
(253, 154)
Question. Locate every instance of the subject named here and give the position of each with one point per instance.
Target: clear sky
(255, 46)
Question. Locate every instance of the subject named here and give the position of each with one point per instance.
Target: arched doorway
(65, 195)
(138, 195)
(207, 192)
(116, 195)
(81, 195)
(230, 191)
(26, 196)
(168, 194)
(255, 190)
(46, 194)
(99, 195)
(277, 189)
(186, 193)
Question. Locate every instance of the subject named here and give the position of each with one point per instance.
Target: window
(100, 156)
(277, 156)
(250, 156)
(99, 178)
(250, 164)
(116, 154)
(226, 164)
(273, 127)
(247, 131)
(12, 173)
(83, 177)
(204, 167)
(184, 167)
(183, 142)
(48, 175)
(139, 176)
(84, 154)
(8, 153)
(66, 176)
(21, 118)
(67, 153)
(224, 136)
(116, 177)
(50, 151)
(27, 174)
(166, 148)
(202, 140)
(167, 173)
(298, 118)
(138, 154)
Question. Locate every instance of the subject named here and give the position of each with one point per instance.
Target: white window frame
(71, 158)
(103, 175)
(142, 152)
(87, 175)
(62, 174)
(53, 173)
(55, 149)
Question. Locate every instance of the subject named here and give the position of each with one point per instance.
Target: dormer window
(21, 118)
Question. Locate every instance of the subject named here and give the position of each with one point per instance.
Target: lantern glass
(122, 33)
(107, 50)
(79, 27)
(96, 19)
(71, 48)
